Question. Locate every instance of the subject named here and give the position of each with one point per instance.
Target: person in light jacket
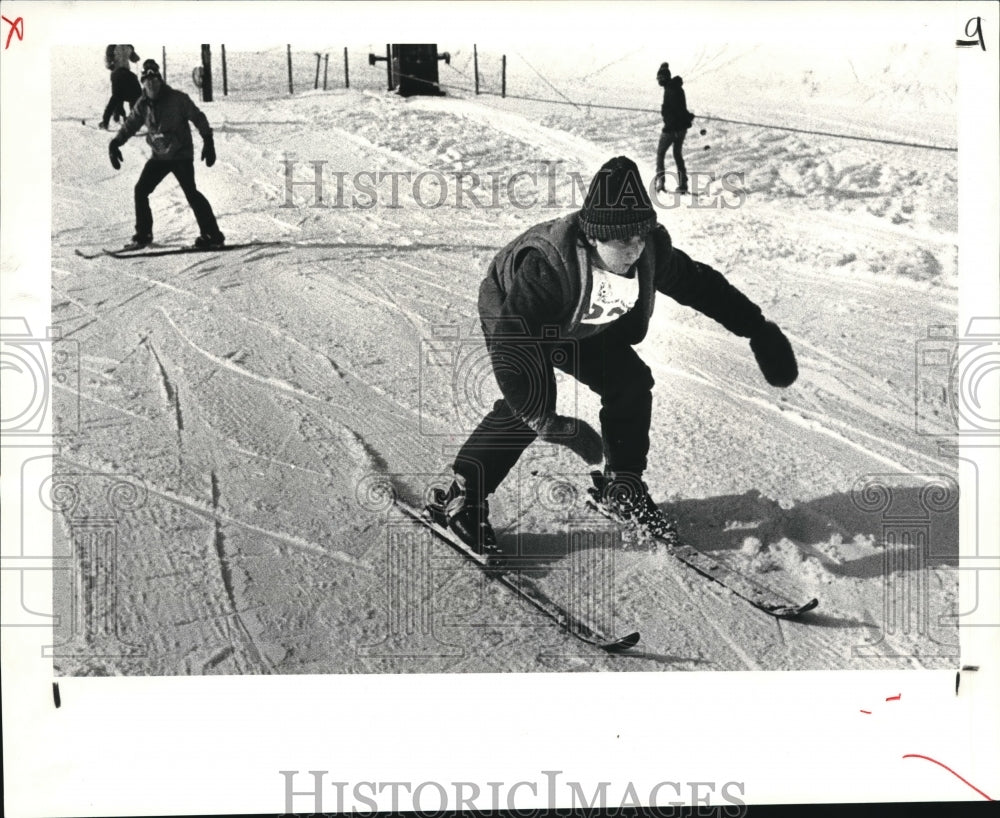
(166, 113)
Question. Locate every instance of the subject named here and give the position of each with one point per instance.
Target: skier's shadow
(664, 658)
(536, 555)
(846, 538)
(818, 619)
(840, 534)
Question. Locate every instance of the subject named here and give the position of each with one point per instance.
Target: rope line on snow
(707, 118)
(543, 79)
(836, 135)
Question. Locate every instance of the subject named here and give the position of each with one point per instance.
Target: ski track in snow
(226, 575)
(328, 393)
(802, 420)
(200, 508)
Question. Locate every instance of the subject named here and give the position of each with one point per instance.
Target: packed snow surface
(264, 397)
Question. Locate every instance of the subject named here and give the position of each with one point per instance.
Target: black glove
(208, 151)
(774, 355)
(114, 152)
(576, 435)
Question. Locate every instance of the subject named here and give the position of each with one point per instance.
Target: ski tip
(624, 643)
(792, 611)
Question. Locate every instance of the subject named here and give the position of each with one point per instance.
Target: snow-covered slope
(258, 394)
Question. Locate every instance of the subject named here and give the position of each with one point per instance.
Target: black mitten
(115, 154)
(576, 435)
(208, 151)
(774, 355)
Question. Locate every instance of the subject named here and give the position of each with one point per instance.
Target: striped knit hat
(617, 205)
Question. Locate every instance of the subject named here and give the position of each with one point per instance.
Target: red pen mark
(949, 769)
(895, 698)
(16, 27)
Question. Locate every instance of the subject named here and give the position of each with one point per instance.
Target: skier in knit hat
(166, 113)
(577, 293)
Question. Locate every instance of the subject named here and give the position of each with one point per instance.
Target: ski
(152, 251)
(506, 574)
(758, 595)
(112, 130)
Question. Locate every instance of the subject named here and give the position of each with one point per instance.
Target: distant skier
(577, 294)
(676, 121)
(166, 113)
(124, 84)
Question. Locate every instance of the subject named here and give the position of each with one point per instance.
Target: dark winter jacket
(124, 88)
(166, 119)
(543, 278)
(125, 85)
(676, 116)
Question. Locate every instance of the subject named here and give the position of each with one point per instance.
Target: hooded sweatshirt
(540, 286)
(166, 119)
(119, 56)
(674, 108)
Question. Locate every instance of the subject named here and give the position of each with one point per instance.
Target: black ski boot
(205, 242)
(626, 497)
(468, 517)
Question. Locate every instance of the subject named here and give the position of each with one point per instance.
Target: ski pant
(124, 88)
(605, 363)
(155, 171)
(675, 138)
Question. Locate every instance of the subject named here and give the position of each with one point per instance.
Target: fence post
(347, 74)
(503, 76)
(291, 90)
(319, 57)
(388, 63)
(163, 62)
(206, 73)
(475, 66)
(225, 79)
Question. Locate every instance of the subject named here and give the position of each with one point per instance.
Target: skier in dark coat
(676, 121)
(124, 84)
(577, 294)
(166, 113)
